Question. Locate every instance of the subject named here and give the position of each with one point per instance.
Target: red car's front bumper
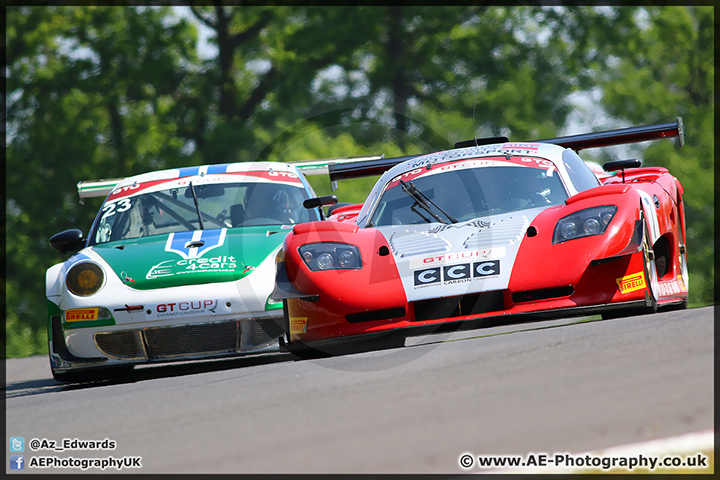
(346, 312)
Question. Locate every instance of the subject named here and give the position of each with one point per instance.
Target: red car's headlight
(85, 279)
(585, 223)
(331, 256)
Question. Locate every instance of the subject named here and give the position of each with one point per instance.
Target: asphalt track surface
(559, 386)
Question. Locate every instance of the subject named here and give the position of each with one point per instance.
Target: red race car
(491, 228)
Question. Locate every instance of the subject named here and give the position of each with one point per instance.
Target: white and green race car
(179, 264)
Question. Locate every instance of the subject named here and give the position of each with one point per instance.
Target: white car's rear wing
(323, 167)
(102, 188)
(96, 188)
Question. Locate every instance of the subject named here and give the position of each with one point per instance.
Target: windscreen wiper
(197, 206)
(424, 202)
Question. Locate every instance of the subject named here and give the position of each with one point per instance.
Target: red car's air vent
(542, 294)
(464, 305)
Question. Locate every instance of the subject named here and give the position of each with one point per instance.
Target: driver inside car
(527, 192)
(268, 203)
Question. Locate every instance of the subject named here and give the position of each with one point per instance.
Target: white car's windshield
(219, 205)
(461, 194)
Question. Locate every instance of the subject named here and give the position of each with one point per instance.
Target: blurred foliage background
(110, 91)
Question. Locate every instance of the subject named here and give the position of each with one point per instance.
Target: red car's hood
(454, 259)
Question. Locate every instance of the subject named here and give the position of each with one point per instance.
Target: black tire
(683, 268)
(674, 306)
(651, 278)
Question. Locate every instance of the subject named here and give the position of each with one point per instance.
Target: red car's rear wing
(620, 136)
(575, 142)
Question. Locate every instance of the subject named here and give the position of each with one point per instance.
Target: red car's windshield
(461, 194)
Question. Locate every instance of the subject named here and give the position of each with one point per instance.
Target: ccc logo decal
(456, 272)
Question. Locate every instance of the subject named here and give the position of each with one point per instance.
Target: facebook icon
(17, 462)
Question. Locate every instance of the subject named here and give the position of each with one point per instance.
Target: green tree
(262, 79)
(663, 68)
(91, 93)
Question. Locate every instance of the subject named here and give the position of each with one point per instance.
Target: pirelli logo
(81, 315)
(631, 283)
(298, 325)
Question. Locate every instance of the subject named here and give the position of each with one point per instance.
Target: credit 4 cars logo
(195, 244)
(17, 444)
(17, 462)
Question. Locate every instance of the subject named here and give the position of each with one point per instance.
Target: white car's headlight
(331, 256)
(85, 279)
(585, 223)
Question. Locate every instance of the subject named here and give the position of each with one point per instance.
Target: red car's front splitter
(605, 286)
